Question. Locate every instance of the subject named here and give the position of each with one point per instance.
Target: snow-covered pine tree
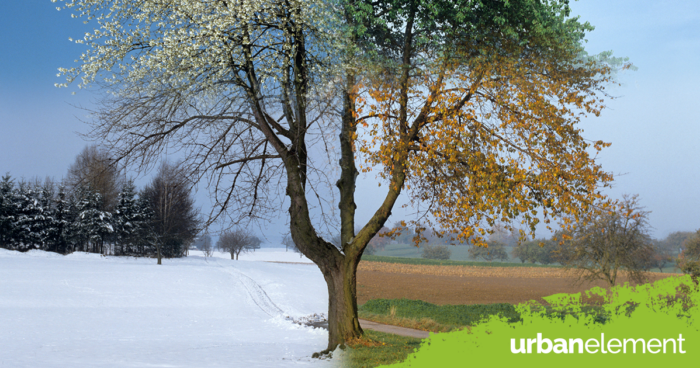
(77, 232)
(8, 213)
(29, 218)
(92, 226)
(128, 218)
(64, 217)
(146, 237)
(45, 221)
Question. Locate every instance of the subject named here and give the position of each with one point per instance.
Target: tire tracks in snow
(256, 293)
(262, 300)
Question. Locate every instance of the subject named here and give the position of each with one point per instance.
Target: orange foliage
(488, 138)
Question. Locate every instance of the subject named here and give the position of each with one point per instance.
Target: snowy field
(263, 254)
(84, 310)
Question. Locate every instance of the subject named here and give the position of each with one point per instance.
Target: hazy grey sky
(653, 125)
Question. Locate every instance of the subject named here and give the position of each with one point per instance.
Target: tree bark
(343, 323)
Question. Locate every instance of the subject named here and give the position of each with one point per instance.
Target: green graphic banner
(644, 326)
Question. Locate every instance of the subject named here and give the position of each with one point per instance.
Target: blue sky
(653, 124)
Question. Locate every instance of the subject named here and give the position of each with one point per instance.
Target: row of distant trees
(600, 247)
(233, 241)
(609, 242)
(95, 210)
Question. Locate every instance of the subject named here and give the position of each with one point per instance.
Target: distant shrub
(495, 251)
(436, 252)
(536, 251)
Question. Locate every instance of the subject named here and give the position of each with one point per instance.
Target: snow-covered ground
(84, 310)
(263, 254)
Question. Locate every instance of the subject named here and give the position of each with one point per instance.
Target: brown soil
(466, 284)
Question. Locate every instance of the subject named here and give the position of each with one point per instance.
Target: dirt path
(396, 330)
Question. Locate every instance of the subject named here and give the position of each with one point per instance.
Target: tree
(508, 237)
(495, 250)
(94, 168)
(235, 242)
(471, 108)
(289, 243)
(64, 217)
(402, 233)
(536, 251)
(91, 226)
(129, 220)
(27, 224)
(8, 211)
(689, 259)
(662, 253)
(379, 241)
(691, 246)
(49, 227)
(148, 241)
(206, 246)
(175, 220)
(520, 252)
(607, 242)
(436, 252)
(202, 241)
(254, 243)
(675, 241)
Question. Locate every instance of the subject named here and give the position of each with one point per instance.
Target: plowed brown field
(466, 284)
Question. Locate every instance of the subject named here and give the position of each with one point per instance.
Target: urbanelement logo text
(594, 346)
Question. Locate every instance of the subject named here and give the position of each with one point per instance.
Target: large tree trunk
(343, 323)
(339, 266)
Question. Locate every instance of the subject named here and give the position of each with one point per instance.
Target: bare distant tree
(290, 244)
(206, 246)
(94, 168)
(235, 242)
(611, 241)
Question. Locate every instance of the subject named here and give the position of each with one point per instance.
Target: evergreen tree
(92, 226)
(8, 212)
(63, 218)
(146, 236)
(128, 220)
(28, 220)
(45, 220)
(77, 234)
